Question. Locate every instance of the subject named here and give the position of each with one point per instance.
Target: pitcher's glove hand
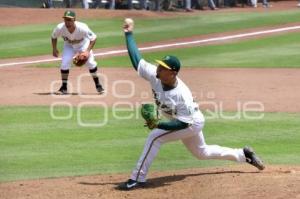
(149, 113)
(80, 59)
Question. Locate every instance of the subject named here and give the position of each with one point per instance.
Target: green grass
(33, 145)
(29, 40)
(270, 52)
(280, 51)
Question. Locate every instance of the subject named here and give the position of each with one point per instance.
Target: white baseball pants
(68, 54)
(192, 137)
(254, 3)
(85, 4)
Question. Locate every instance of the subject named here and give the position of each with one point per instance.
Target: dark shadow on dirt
(168, 180)
(58, 93)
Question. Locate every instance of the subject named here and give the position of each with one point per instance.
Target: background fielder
(186, 121)
(78, 38)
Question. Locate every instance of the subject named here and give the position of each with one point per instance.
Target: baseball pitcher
(174, 99)
(78, 43)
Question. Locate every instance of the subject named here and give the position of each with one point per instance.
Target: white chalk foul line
(114, 52)
(30, 62)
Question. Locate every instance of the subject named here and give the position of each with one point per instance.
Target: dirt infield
(226, 89)
(226, 183)
(229, 89)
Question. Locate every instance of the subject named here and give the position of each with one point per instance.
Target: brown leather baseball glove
(80, 59)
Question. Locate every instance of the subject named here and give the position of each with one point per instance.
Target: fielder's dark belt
(74, 41)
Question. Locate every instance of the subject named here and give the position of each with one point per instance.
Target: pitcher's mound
(220, 183)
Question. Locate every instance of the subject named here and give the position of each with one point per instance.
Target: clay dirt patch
(227, 183)
(227, 89)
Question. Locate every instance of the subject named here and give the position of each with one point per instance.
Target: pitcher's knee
(154, 140)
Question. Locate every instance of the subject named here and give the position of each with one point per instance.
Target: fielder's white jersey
(175, 103)
(79, 38)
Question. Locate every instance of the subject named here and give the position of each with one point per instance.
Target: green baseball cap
(170, 62)
(69, 14)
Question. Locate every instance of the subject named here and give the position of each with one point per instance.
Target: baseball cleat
(100, 89)
(62, 91)
(131, 184)
(253, 159)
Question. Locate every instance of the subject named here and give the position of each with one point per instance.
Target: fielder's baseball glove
(149, 113)
(80, 59)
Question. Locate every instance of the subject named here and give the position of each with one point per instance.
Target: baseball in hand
(128, 21)
(128, 25)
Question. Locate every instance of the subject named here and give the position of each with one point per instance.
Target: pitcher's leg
(151, 149)
(197, 146)
(156, 138)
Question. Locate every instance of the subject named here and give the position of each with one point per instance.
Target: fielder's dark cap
(170, 62)
(69, 14)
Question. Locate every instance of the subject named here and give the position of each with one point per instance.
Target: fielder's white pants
(192, 137)
(188, 4)
(68, 53)
(85, 4)
(254, 3)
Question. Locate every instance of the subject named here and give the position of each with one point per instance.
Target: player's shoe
(131, 184)
(100, 89)
(253, 159)
(63, 90)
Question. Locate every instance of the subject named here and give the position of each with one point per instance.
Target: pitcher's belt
(196, 109)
